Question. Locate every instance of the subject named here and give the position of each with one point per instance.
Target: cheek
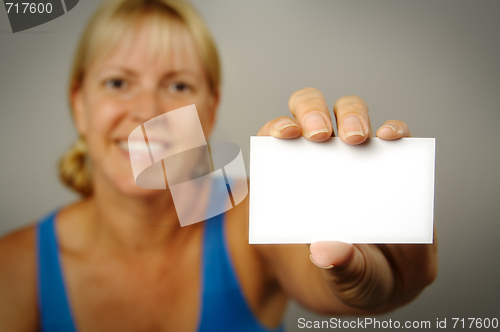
(205, 113)
(103, 117)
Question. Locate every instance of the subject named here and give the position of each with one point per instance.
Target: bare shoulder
(18, 306)
(17, 255)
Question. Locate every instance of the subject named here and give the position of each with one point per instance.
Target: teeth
(134, 146)
(140, 146)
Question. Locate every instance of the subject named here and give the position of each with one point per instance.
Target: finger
(353, 122)
(309, 107)
(393, 129)
(282, 127)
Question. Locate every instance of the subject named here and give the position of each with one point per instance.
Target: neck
(134, 224)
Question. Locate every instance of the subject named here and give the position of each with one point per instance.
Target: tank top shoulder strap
(224, 307)
(55, 312)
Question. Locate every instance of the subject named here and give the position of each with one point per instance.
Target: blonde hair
(111, 25)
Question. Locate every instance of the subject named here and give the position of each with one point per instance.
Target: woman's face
(129, 87)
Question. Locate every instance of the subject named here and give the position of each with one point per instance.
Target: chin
(116, 175)
(129, 188)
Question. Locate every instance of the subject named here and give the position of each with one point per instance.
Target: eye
(179, 87)
(116, 83)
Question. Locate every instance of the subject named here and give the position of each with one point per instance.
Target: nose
(147, 105)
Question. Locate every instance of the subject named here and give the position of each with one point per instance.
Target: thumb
(344, 258)
(357, 275)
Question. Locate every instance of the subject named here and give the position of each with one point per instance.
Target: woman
(118, 260)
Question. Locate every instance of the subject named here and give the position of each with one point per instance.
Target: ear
(213, 108)
(78, 108)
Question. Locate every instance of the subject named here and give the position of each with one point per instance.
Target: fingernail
(321, 267)
(314, 124)
(392, 126)
(280, 125)
(352, 127)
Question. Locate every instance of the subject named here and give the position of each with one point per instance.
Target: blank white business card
(377, 192)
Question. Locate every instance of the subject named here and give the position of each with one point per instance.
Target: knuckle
(306, 105)
(354, 106)
(305, 91)
(352, 103)
(304, 94)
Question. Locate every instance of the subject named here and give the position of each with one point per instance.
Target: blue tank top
(223, 306)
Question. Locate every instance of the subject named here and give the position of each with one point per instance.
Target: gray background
(432, 64)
